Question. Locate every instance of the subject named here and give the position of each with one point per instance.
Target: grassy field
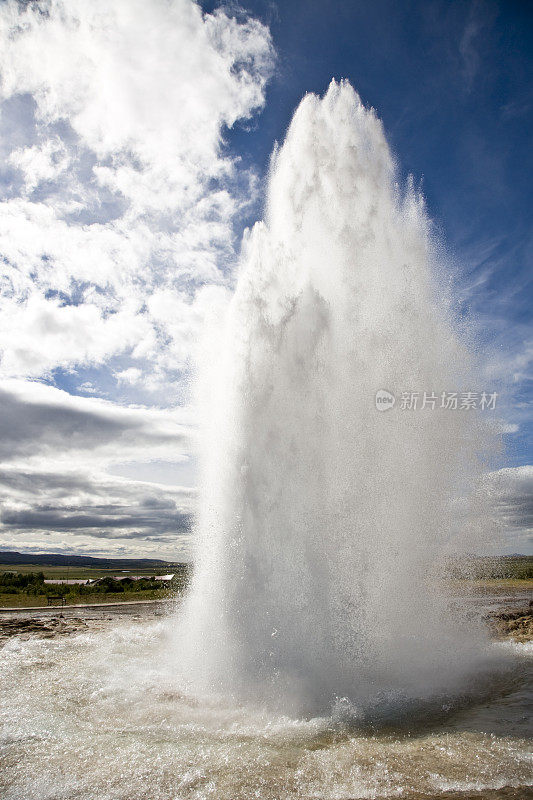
(496, 585)
(488, 576)
(72, 573)
(21, 585)
(486, 586)
(511, 583)
(32, 601)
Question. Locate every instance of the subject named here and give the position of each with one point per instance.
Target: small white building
(141, 577)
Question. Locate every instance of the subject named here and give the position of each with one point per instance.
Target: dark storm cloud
(21, 481)
(517, 510)
(100, 506)
(56, 519)
(28, 425)
(513, 497)
(37, 419)
(54, 450)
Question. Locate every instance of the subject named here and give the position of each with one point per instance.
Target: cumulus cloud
(76, 501)
(118, 194)
(117, 201)
(93, 512)
(56, 454)
(511, 494)
(40, 422)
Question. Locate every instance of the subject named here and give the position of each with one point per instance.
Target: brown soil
(516, 623)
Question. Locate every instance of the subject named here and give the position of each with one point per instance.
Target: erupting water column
(322, 520)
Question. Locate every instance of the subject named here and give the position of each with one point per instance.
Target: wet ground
(508, 614)
(91, 709)
(58, 621)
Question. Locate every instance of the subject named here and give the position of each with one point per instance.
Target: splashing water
(323, 528)
(324, 523)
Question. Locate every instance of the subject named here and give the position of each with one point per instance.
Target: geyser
(324, 522)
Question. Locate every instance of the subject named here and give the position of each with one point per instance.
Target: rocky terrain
(513, 623)
(511, 620)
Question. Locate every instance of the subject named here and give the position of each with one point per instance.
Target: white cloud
(480, 19)
(41, 162)
(123, 198)
(41, 425)
(64, 480)
(92, 511)
(43, 334)
(130, 376)
(117, 201)
(510, 491)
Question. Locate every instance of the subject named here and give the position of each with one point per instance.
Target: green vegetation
(68, 572)
(491, 568)
(24, 588)
(22, 585)
(28, 601)
(517, 567)
(31, 583)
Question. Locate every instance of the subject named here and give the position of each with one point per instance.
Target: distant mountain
(61, 560)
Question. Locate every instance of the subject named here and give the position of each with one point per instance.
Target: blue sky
(134, 148)
(452, 82)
